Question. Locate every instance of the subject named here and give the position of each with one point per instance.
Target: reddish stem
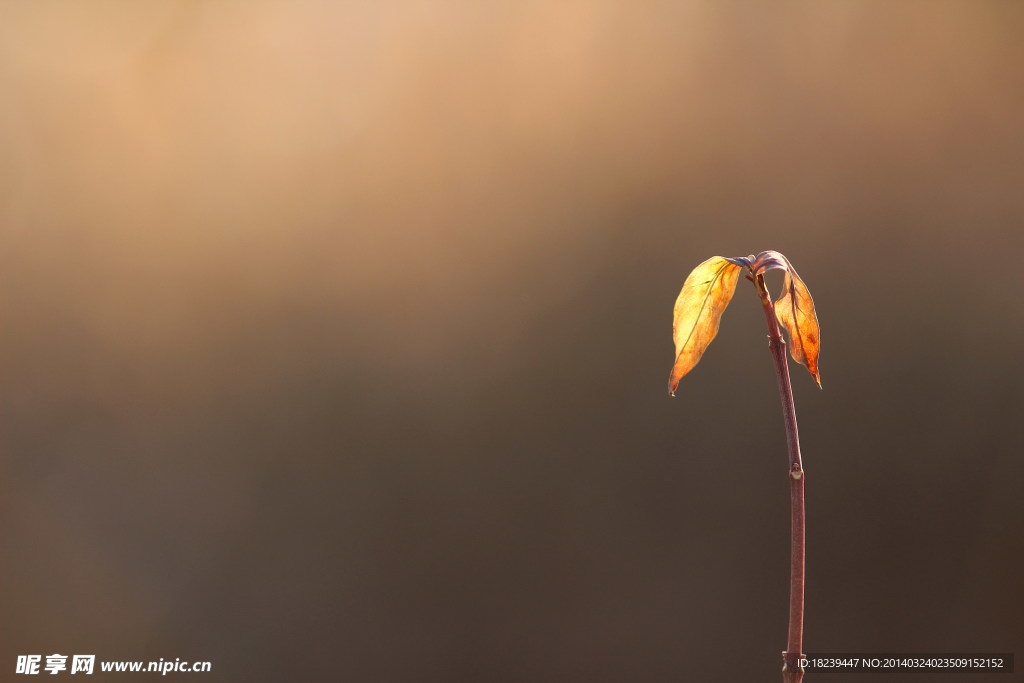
(792, 671)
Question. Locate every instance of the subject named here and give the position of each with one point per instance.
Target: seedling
(698, 312)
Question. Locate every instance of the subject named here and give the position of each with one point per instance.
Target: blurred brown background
(335, 335)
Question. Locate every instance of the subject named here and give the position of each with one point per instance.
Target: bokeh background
(335, 335)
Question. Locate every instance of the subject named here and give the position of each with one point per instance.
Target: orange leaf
(698, 312)
(795, 311)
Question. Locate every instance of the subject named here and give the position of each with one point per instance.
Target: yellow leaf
(698, 312)
(795, 311)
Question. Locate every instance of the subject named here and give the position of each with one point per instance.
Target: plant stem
(792, 672)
